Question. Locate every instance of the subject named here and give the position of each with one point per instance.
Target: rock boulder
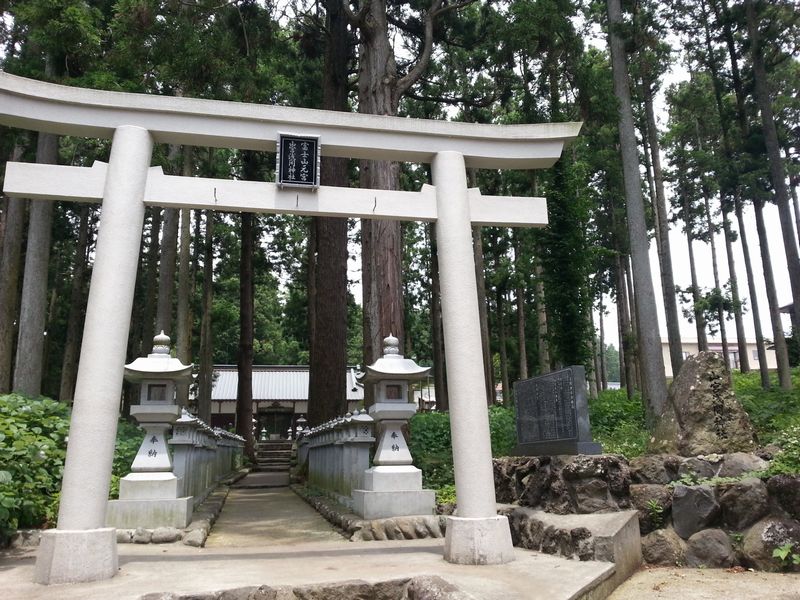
(702, 415)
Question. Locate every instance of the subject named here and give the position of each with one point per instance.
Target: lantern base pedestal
(393, 491)
(149, 500)
(150, 514)
(478, 541)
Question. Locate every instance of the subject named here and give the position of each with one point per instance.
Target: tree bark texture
(655, 389)
(776, 169)
(14, 228)
(664, 252)
(754, 309)
(77, 310)
(699, 319)
(33, 303)
(244, 390)
(437, 336)
(483, 313)
(327, 397)
(206, 375)
(183, 325)
(543, 343)
(781, 352)
(150, 284)
(723, 334)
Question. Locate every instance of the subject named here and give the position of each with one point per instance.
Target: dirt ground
(701, 584)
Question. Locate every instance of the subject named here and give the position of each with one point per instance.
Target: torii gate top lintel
(42, 106)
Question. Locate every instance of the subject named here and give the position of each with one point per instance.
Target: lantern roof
(158, 364)
(392, 365)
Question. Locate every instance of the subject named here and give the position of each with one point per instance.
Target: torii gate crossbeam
(81, 548)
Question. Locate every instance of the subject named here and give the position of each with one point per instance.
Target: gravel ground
(702, 584)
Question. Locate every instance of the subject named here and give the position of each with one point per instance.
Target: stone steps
(275, 457)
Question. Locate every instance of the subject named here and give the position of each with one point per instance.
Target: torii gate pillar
(82, 548)
(477, 535)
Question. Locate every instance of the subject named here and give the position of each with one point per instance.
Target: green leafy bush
(771, 411)
(431, 446)
(32, 448)
(503, 430)
(787, 461)
(33, 434)
(129, 438)
(618, 423)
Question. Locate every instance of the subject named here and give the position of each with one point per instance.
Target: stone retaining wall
(697, 511)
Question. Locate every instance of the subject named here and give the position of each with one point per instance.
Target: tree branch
(357, 18)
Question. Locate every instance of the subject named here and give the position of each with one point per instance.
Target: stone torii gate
(82, 548)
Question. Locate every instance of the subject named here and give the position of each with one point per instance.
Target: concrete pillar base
(478, 541)
(76, 555)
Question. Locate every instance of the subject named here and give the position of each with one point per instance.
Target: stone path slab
(267, 517)
(181, 569)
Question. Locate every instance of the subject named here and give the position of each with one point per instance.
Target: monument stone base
(393, 491)
(478, 541)
(556, 447)
(76, 555)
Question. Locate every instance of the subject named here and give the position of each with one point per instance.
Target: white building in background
(280, 396)
(690, 347)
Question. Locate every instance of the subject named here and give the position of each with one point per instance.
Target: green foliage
(786, 556)
(656, 512)
(618, 423)
(32, 450)
(431, 446)
(446, 494)
(787, 461)
(771, 411)
(503, 430)
(129, 438)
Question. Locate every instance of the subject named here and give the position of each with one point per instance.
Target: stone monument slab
(553, 414)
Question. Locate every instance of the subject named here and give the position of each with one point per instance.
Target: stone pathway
(267, 517)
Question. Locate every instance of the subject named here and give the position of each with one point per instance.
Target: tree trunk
(439, 364)
(718, 288)
(166, 271)
(520, 294)
(183, 324)
(541, 316)
(776, 170)
(603, 365)
(206, 375)
(244, 389)
(699, 319)
(501, 341)
(634, 364)
(781, 354)
(77, 310)
(664, 251)
(150, 284)
(9, 275)
(327, 396)
(483, 313)
(626, 353)
(741, 340)
(33, 304)
(751, 283)
(381, 241)
(649, 346)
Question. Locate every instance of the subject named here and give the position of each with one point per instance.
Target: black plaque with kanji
(552, 414)
(298, 161)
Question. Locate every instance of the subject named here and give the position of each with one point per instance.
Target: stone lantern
(393, 486)
(150, 495)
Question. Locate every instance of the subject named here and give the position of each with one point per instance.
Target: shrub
(618, 423)
(787, 461)
(32, 448)
(431, 446)
(771, 411)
